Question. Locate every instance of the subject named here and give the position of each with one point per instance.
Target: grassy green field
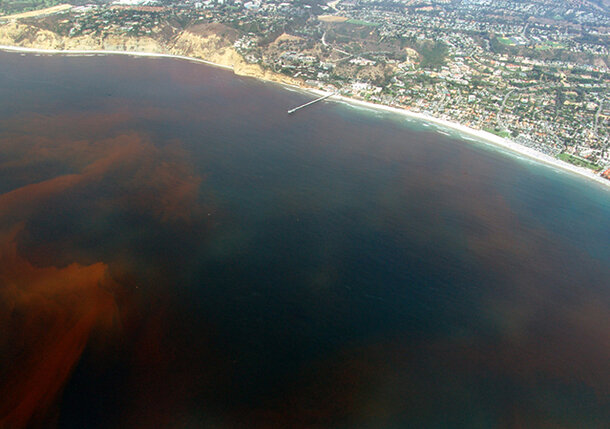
(360, 22)
(550, 45)
(501, 133)
(11, 6)
(506, 41)
(578, 161)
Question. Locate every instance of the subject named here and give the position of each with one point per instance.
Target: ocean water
(178, 252)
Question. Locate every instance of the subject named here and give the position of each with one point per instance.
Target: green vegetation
(501, 133)
(9, 7)
(549, 45)
(360, 22)
(578, 161)
(434, 54)
(506, 41)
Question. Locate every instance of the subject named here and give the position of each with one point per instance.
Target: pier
(324, 97)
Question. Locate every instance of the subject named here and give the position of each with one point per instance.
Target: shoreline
(480, 135)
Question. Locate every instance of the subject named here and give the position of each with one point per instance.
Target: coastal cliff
(213, 43)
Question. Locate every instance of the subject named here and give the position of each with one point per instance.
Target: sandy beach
(479, 135)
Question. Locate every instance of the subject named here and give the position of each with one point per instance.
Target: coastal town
(536, 73)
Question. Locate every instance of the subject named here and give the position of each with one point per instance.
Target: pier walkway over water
(324, 97)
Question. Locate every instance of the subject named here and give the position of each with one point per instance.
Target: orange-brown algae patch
(47, 315)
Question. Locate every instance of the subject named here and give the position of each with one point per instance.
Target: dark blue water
(177, 251)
